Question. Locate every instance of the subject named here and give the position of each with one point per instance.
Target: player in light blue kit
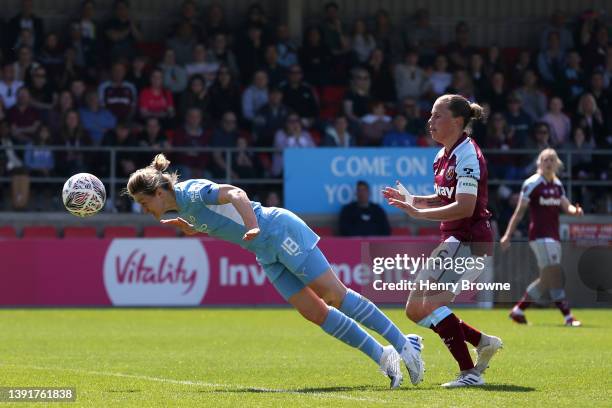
(287, 250)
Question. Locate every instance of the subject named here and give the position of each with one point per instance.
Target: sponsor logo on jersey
(467, 185)
(444, 191)
(550, 201)
(450, 173)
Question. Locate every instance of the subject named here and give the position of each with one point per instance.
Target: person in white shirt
(410, 79)
(255, 96)
(9, 86)
(362, 42)
(201, 65)
(440, 78)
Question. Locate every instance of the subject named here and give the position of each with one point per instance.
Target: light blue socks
(367, 313)
(344, 328)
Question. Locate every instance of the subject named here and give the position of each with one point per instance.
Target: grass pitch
(263, 357)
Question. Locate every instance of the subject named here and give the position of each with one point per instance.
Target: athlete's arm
(235, 196)
(517, 216)
(430, 201)
(570, 209)
(463, 207)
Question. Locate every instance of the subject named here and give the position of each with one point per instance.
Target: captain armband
(467, 185)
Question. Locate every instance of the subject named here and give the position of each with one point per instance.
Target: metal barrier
(112, 180)
(566, 156)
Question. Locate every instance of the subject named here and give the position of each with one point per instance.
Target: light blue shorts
(288, 283)
(288, 252)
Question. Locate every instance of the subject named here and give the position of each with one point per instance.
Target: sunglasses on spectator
(293, 120)
(363, 77)
(295, 72)
(542, 132)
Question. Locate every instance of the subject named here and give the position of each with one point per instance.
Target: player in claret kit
(460, 203)
(287, 250)
(543, 193)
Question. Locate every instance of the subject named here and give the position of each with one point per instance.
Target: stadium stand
(39, 231)
(120, 232)
(154, 231)
(80, 232)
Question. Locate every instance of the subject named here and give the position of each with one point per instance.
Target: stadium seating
(158, 231)
(399, 231)
(153, 50)
(324, 231)
(428, 232)
(39, 231)
(80, 232)
(7, 231)
(120, 232)
(331, 101)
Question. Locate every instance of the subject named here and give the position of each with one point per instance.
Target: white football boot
(488, 346)
(411, 354)
(468, 378)
(390, 366)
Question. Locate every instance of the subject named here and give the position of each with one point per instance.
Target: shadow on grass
(312, 390)
(505, 388)
(307, 390)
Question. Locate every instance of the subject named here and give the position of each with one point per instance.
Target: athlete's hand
(251, 234)
(504, 243)
(181, 224)
(390, 193)
(579, 211)
(405, 207)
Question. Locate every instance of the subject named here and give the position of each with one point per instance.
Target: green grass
(261, 357)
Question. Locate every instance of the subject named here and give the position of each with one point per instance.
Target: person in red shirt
(545, 197)
(460, 203)
(155, 101)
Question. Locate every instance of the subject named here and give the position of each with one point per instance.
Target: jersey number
(291, 247)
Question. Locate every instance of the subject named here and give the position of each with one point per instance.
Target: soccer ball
(83, 195)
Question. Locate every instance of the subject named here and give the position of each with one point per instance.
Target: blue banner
(322, 180)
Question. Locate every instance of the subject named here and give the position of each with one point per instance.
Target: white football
(83, 195)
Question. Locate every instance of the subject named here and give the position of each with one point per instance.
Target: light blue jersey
(285, 247)
(198, 203)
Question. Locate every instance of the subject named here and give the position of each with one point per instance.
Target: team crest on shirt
(450, 173)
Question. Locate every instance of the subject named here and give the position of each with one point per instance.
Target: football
(83, 195)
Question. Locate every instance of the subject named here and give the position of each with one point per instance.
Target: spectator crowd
(367, 82)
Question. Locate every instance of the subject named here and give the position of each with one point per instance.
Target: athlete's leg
(554, 277)
(430, 310)
(537, 291)
(334, 293)
(331, 320)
